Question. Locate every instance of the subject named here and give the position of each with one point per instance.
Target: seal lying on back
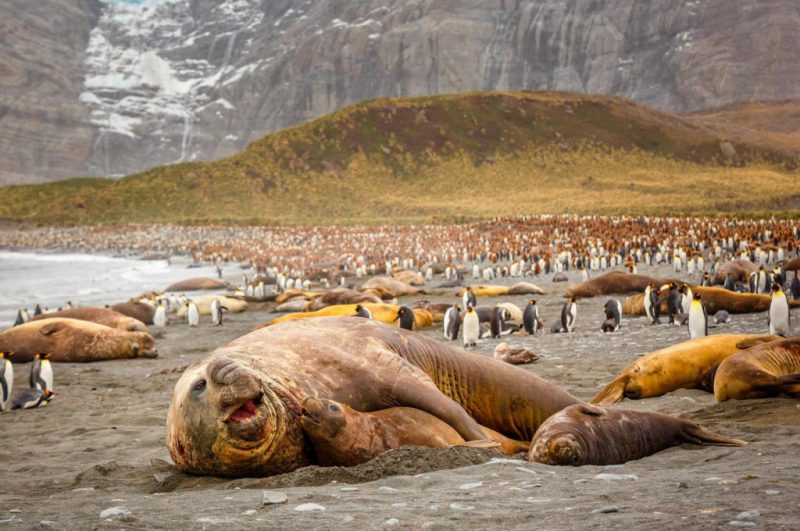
(345, 437)
(103, 316)
(237, 412)
(687, 365)
(764, 370)
(584, 434)
(72, 340)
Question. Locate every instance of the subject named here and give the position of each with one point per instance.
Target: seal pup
(452, 322)
(698, 318)
(586, 434)
(6, 380)
(569, 312)
(722, 317)
(471, 327)
(530, 318)
(779, 317)
(41, 376)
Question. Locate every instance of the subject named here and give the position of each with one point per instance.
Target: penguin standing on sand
(452, 322)
(795, 287)
(530, 318)
(363, 312)
(160, 317)
(698, 318)
(41, 376)
(30, 398)
(406, 317)
(651, 305)
(674, 301)
(216, 312)
(730, 285)
(687, 296)
(192, 314)
(569, 312)
(19, 320)
(497, 325)
(613, 312)
(6, 380)
(37, 311)
(469, 298)
(471, 327)
(779, 317)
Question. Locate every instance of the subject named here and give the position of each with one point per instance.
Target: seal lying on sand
(237, 412)
(72, 340)
(138, 310)
(397, 287)
(345, 437)
(687, 365)
(613, 283)
(584, 434)
(200, 283)
(714, 299)
(203, 304)
(103, 316)
(764, 370)
(492, 290)
(384, 313)
(341, 296)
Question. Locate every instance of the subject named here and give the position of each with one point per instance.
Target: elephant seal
(714, 299)
(343, 436)
(687, 365)
(384, 313)
(103, 316)
(137, 310)
(73, 340)
(761, 371)
(412, 278)
(340, 296)
(295, 293)
(585, 434)
(196, 284)
(236, 413)
(613, 283)
(494, 290)
(397, 287)
(738, 269)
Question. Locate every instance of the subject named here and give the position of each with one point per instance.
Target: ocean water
(87, 280)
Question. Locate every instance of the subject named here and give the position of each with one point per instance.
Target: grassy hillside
(444, 158)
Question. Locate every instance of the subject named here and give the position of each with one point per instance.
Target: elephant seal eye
(334, 408)
(199, 386)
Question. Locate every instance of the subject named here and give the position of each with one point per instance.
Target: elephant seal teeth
(247, 411)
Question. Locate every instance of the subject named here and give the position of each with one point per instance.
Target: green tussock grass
(443, 158)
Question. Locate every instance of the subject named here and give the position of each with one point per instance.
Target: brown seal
(396, 287)
(714, 299)
(103, 316)
(687, 365)
(738, 269)
(196, 284)
(72, 340)
(764, 370)
(137, 310)
(345, 437)
(237, 412)
(584, 434)
(341, 296)
(412, 278)
(612, 283)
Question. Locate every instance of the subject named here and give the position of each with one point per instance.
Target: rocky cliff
(142, 84)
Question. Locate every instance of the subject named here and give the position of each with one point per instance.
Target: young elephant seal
(762, 371)
(237, 412)
(345, 437)
(584, 434)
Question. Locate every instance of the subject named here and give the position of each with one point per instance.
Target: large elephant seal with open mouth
(237, 412)
(584, 434)
(73, 340)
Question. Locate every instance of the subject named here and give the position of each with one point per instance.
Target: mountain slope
(442, 158)
(157, 82)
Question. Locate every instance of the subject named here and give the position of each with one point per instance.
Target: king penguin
(795, 287)
(613, 312)
(20, 320)
(160, 317)
(469, 298)
(452, 322)
(6, 380)
(674, 302)
(698, 318)
(363, 312)
(37, 311)
(650, 309)
(192, 314)
(779, 317)
(216, 312)
(31, 398)
(530, 318)
(41, 373)
(687, 297)
(471, 327)
(406, 317)
(569, 312)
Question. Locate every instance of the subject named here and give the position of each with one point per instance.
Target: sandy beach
(96, 458)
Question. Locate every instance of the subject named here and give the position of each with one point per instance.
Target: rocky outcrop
(181, 81)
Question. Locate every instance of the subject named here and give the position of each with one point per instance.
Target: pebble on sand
(306, 507)
(468, 486)
(606, 509)
(392, 521)
(737, 523)
(271, 497)
(113, 511)
(616, 477)
(752, 513)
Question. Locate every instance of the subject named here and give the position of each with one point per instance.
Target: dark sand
(99, 446)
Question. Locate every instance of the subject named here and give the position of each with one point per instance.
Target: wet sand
(99, 447)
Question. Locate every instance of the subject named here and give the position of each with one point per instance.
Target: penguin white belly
(471, 329)
(697, 324)
(160, 318)
(193, 316)
(216, 312)
(46, 374)
(6, 386)
(448, 316)
(779, 316)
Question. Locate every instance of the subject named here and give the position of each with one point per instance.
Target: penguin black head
(532, 302)
(696, 296)
(45, 355)
(458, 307)
(776, 287)
(573, 299)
